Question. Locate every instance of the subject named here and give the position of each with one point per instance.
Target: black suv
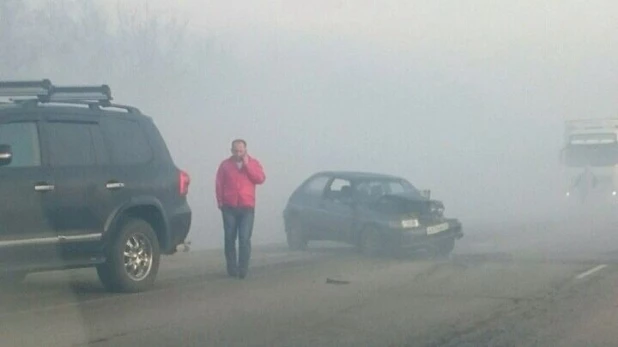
(375, 212)
(84, 182)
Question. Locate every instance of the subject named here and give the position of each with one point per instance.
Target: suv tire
(132, 258)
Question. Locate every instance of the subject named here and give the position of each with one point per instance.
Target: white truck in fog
(590, 159)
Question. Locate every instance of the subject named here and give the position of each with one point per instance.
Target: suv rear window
(72, 144)
(23, 137)
(127, 141)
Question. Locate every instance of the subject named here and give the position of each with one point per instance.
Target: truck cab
(590, 159)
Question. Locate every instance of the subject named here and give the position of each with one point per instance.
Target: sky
(466, 98)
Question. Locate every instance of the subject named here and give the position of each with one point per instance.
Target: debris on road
(335, 281)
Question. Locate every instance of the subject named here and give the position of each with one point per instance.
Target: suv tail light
(184, 181)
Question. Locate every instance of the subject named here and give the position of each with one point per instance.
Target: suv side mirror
(6, 155)
(426, 193)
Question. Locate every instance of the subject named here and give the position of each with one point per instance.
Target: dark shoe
(242, 274)
(232, 273)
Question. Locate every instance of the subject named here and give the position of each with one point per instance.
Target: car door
(134, 172)
(336, 210)
(26, 191)
(82, 203)
(306, 204)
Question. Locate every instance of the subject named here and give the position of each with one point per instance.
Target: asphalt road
(535, 285)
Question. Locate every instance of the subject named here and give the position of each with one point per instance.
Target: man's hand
(245, 159)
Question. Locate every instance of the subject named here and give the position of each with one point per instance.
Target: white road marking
(591, 271)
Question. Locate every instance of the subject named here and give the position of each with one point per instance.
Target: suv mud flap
(183, 247)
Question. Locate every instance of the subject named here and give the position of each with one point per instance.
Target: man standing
(237, 177)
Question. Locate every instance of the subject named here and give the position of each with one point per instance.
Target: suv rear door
(26, 193)
(132, 159)
(82, 203)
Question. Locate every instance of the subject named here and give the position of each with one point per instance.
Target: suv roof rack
(99, 105)
(45, 91)
(93, 105)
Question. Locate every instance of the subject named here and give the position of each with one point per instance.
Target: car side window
(315, 187)
(23, 137)
(128, 142)
(396, 187)
(72, 144)
(370, 190)
(339, 188)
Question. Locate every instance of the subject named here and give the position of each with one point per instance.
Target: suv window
(315, 186)
(72, 143)
(127, 141)
(23, 137)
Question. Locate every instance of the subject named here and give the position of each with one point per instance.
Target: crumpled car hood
(407, 204)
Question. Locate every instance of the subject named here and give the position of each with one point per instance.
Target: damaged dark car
(375, 212)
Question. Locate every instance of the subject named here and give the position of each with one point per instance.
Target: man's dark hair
(239, 141)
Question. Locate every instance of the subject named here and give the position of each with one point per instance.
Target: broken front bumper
(425, 234)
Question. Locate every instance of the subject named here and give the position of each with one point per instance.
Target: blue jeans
(237, 223)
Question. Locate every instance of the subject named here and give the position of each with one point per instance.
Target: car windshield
(371, 190)
(598, 155)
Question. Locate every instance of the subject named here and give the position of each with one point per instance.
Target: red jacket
(236, 187)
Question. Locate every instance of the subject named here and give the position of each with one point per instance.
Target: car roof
(359, 175)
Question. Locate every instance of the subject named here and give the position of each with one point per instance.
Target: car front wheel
(370, 243)
(444, 248)
(132, 258)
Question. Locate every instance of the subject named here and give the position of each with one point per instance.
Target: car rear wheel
(296, 238)
(132, 258)
(370, 243)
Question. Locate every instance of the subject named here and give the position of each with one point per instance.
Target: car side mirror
(426, 193)
(6, 155)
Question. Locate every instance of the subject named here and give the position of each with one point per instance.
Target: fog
(465, 100)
